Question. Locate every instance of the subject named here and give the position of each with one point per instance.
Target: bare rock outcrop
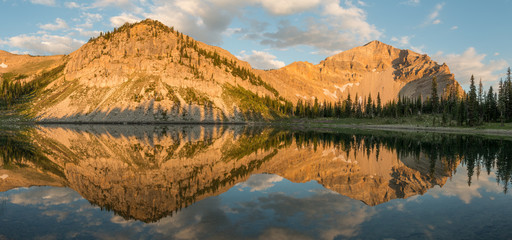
(148, 72)
(375, 68)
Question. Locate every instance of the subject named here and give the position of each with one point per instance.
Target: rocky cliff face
(146, 174)
(370, 69)
(148, 72)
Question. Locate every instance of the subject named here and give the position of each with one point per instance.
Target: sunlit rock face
(375, 68)
(148, 172)
(149, 72)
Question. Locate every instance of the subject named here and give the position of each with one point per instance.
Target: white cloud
(89, 19)
(340, 25)
(350, 19)
(286, 7)
(402, 41)
(45, 44)
(202, 19)
(59, 24)
(433, 16)
(340, 28)
(231, 31)
(71, 5)
(412, 2)
(261, 60)
(123, 4)
(44, 2)
(436, 11)
(122, 19)
(418, 49)
(472, 63)
(86, 33)
(454, 28)
(496, 54)
(326, 52)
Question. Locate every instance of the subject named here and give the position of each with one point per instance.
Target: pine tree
(491, 108)
(508, 96)
(369, 106)
(378, 110)
(348, 106)
(480, 101)
(461, 112)
(316, 108)
(501, 101)
(472, 103)
(434, 98)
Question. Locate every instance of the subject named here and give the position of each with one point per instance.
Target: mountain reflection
(149, 172)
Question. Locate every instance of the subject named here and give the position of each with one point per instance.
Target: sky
(471, 36)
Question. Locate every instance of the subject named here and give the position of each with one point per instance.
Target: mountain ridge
(373, 68)
(149, 72)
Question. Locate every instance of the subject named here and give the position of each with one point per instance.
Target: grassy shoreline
(407, 124)
(426, 123)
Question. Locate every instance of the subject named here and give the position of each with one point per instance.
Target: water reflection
(151, 173)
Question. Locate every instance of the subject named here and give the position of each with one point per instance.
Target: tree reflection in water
(149, 172)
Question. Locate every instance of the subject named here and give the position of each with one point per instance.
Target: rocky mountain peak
(147, 72)
(374, 68)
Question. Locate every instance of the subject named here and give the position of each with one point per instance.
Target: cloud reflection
(273, 215)
(260, 182)
(458, 186)
(45, 196)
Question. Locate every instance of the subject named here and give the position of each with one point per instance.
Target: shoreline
(410, 128)
(319, 124)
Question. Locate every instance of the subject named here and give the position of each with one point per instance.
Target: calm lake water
(237, 182)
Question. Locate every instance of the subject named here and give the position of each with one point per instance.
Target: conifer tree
(369, 106)
(461, 112)
(508, 96)
(434, 98)
(480, 101)
(472, 103)
(348, 106)
(491, 108)
(378, 110)
(501, 101)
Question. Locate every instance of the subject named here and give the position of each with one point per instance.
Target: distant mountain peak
(374, 43)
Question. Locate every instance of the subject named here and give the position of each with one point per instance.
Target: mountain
(148, 72)
(370, 69)
(26, 68)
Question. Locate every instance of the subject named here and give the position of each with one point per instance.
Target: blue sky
(472, 37)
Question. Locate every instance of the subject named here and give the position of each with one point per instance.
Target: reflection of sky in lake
(267, 206)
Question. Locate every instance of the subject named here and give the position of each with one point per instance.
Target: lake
(241, 182)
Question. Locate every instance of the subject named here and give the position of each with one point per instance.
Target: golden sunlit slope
(148, 72)
(370, 69)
